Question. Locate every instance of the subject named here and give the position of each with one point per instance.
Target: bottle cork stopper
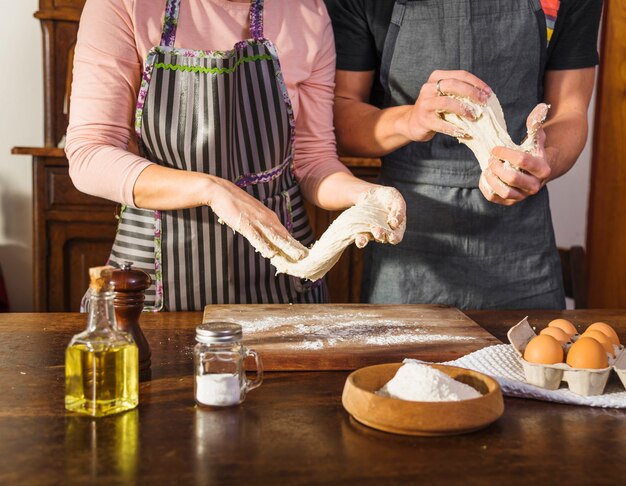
(100, 278)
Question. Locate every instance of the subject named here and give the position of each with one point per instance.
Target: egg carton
(582, 381)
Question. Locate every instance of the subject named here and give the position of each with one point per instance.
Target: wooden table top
(292, 430)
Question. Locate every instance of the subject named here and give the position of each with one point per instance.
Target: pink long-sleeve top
(113, 40)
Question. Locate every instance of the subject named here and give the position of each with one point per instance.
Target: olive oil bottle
(101, 363)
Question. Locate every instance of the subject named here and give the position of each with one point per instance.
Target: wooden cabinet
(73, 231)
(59, 25)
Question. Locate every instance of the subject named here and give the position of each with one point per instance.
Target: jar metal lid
(218, 332)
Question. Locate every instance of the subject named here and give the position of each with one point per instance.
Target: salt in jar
(219, 356)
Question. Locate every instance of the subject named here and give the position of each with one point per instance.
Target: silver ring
(438, 88)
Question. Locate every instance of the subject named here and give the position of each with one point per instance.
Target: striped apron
(227, 114)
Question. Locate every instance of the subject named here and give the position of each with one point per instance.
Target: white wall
(21, 123)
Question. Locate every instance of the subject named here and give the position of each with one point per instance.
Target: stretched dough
(360, 218)
(489, 129)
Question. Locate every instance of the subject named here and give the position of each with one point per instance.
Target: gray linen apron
(226, 114)
(460, 249)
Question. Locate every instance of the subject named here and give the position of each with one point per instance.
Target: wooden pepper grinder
(130, 286)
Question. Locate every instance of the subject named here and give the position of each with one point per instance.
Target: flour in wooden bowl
(422, 383)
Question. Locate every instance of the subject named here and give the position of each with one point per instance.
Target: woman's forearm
(162, 188)
(336, 192)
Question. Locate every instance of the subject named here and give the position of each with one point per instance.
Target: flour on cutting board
(327, 331)
(412, 338)
(317, 344)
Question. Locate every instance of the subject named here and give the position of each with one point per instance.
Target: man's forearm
(569, 93)
(366, 131)
(566, 135)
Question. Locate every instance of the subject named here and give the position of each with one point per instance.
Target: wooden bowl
(421, 418)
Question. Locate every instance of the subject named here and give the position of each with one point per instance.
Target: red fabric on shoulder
(551, 7)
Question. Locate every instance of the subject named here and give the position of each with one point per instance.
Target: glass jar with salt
(219, 362)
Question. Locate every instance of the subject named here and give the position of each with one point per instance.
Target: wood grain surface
(350, 336)
(606, 228)
(293, 430)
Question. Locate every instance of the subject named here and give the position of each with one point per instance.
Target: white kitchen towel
(503, 364)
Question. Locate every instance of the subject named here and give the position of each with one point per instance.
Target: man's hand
(424, 120)
(513, 175)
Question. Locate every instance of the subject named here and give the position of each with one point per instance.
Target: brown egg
(557, 333)
(587, 353)
(605, 329)
(543, 349)
(565, 325)
(602, 339)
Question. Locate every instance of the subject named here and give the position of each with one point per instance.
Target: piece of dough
(489, 129)
(360, 218)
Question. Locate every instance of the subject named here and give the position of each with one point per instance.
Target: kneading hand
(513, 175)
(254, 221)
(391, 201)
(424, 119)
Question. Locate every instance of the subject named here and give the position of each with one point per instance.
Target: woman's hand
(392, 201)
(513, 175)
(254, 221)
(423, 120)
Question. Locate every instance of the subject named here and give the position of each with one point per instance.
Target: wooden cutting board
(350, 336)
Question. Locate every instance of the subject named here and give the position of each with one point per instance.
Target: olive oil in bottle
(101, 363)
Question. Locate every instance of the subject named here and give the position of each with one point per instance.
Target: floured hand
(425, 119)
(254, 221)
(515, 174)
(379, 214)
(390, 200)
(510, 172)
